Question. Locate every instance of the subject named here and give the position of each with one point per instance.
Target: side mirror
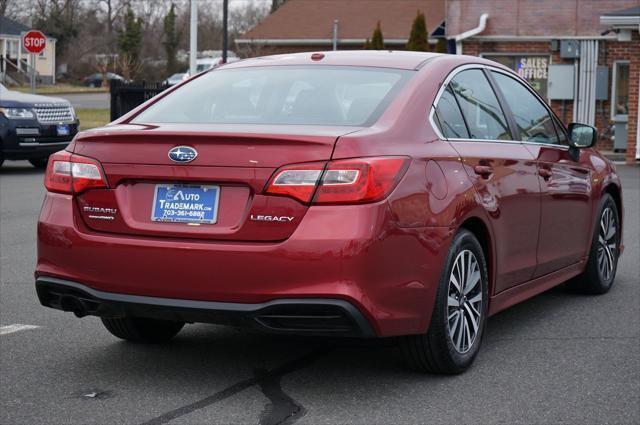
(582, 135)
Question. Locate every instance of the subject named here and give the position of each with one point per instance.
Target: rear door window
(480, 107)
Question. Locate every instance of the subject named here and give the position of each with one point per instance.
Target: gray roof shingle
(11, 27)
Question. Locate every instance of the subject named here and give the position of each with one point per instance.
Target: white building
(15, 64)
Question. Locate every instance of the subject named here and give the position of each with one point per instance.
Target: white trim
(613, 85)
(317, 41)
(630, 22)
(517, 38)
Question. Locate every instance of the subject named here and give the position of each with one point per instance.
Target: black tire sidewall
(439, 327)
(593, 269)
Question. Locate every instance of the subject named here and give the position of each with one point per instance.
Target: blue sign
(185, 203)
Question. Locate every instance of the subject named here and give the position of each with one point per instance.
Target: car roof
(374, 58)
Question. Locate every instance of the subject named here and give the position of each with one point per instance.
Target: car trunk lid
(236, 161)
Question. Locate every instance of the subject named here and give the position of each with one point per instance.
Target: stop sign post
(34, 42)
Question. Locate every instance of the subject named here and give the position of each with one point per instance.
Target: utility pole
(335, 34)
(225, 30)
(193, 40)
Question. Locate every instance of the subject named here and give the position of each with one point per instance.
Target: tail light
(70, 173)
(349, 181)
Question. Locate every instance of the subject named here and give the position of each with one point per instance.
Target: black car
(33, 127)
(96, 80)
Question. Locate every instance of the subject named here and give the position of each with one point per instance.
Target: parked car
(282, 194)
(176, 78)
(204, 64)
(96, 80)
(33, 127)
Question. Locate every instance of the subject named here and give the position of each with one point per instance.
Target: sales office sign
(533, 67)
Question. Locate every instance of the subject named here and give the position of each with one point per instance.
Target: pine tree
(130, 36)
(171, 39)
(367, 45)
(419, 38)
(441, 46)
(377, 40)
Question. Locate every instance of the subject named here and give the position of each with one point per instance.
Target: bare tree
(114, 7)
(129, 66)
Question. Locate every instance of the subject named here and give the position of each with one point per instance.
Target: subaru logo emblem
(182, 154)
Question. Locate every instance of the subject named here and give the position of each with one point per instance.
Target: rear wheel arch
(481, 231)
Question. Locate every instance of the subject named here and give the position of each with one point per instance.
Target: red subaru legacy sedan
(370, 194)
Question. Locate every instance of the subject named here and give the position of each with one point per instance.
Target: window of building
(480, 107)
(620, 90)
(534, 69)
(449, 117)
(531, 117)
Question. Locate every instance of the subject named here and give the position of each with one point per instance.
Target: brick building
(583, 56)
(308, 25)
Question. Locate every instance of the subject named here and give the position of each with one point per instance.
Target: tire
(602, 264)
(439, 350)
(39, 162)
(140, 329)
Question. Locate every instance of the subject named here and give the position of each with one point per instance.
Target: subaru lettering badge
(182, 154)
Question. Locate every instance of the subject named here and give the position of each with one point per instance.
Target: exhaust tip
(69, 303)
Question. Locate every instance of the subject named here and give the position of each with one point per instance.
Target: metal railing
(125, 96)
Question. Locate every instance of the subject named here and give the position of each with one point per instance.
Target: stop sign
(34, 41)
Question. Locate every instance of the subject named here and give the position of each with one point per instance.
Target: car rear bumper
(30, 139)
(354, 254)
(328, 317)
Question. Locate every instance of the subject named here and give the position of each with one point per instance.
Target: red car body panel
(385, 258)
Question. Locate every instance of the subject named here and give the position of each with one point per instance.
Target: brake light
(350, 181)
(70, 173)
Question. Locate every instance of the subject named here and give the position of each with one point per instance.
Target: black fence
(126, 96)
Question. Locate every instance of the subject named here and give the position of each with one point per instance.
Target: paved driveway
(558, 358)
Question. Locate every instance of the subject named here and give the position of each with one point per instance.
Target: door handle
(483, 170)
(545, 173)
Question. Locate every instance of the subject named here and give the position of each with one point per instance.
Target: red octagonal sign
(34, 41)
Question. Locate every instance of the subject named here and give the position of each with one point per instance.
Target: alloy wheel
(464, 303)
(607, 243)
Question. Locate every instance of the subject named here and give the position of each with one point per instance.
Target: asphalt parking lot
(558, 358)
(87, 100)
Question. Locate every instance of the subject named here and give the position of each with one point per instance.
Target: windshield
(320, 95)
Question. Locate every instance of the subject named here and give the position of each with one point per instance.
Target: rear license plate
(185, 203)
(63, 130)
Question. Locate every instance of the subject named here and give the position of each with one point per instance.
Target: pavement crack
(282, 409)
(273, 375)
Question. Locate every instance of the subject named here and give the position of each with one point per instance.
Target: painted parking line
(16, 327)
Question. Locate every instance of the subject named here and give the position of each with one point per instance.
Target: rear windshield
(320, 95)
